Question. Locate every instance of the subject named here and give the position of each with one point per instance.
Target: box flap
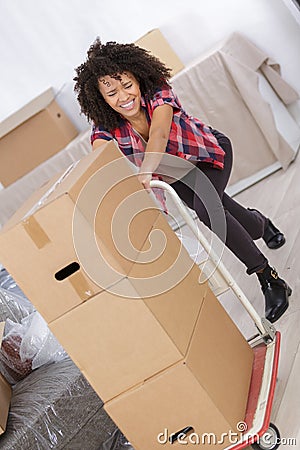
(32, 200)
(70, 182)
(29, 110)
(2, 325)
(155, 42)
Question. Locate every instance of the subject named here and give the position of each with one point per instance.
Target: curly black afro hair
(114, 59)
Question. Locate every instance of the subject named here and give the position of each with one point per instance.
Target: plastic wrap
(27, 342)
(13, 303)
(8, 283)
(117, 441)
(53, 407)
(26, 346)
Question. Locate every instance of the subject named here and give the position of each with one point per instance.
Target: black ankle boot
(272, 236)
(276, 292)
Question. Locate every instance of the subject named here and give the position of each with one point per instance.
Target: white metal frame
(263, 326)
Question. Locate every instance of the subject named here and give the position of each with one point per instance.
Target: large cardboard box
(31, 135)
(206, 392)
(5, 393)
(156, 43)
(118, 341)
(147, 335)
(67, 243)
(121, 334)
(131, 332)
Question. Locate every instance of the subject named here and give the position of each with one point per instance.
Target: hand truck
(259, 432)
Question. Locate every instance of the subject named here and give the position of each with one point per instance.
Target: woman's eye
(111, 95)
(128, 86)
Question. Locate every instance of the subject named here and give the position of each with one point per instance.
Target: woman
(125, 92)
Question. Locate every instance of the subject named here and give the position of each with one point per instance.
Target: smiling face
(124, 95)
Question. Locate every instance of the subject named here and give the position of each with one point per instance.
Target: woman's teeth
(127, 105)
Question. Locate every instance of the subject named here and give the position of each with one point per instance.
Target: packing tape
(81, 286)
(36, 232)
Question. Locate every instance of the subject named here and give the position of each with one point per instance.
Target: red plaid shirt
(189, 137)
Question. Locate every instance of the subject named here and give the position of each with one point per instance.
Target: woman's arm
(158, 139)
(98, 142)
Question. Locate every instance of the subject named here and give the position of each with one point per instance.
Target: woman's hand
(145, 178)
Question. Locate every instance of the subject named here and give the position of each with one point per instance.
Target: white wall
(42, 41)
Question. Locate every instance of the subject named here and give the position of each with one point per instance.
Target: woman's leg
(252, 220)
(257, 225)
(238, 239)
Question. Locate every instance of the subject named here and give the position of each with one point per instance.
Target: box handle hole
(67, 271)
(180, 434)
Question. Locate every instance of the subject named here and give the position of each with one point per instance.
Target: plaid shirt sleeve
(189, 137)
(98, 133)
(163, 96)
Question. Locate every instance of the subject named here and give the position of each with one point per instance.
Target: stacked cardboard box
(32, 135)
(155, 42)
(100, 262)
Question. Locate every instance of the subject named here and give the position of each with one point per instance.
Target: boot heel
(273, 237)
(276, 292)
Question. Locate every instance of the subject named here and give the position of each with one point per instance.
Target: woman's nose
(123, 95)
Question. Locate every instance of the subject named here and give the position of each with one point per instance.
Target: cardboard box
(5, 393)
(207, 390)
(119, 341)
(148, 337)
(115, 341)
(168, 280)
(31, 135)
(131, 335)
(156, 43)
(134, 331)
(65, 245)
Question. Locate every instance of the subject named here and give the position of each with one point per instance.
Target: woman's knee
(223, 140)
(257, 226)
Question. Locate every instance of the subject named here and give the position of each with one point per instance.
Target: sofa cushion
(53, 407)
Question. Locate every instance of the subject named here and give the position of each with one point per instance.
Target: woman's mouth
(128, 106)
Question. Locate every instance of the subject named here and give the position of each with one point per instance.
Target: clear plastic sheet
(13, 304)
(14, 307)
(53, 407)
(27, 342)
(26, 346)
(117, 441)
(8, 283)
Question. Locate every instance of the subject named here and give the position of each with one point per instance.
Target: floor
(278, 197)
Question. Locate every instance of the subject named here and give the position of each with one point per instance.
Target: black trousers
(243, 225)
